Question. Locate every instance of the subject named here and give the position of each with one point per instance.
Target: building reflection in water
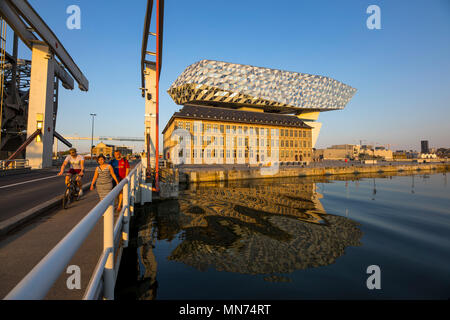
(259, 227)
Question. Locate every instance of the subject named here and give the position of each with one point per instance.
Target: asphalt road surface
(21, 192)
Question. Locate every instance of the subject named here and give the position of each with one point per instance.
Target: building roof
(238, 116)
(222, 83)
(103, 145)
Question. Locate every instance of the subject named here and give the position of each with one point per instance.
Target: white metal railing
(14, 164)
(39, 281)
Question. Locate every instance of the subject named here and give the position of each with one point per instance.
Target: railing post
(126, 214)
(142, 176)
(133, 193)
(108, 242)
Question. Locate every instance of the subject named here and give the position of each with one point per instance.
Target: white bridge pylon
(46, 72)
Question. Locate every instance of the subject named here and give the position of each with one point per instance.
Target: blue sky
(401, 72)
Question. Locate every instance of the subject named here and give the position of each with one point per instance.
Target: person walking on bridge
(121, 169)
(104, 175)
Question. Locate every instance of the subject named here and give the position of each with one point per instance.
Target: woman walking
(104, 173)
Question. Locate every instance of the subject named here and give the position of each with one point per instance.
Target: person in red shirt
(121, 169)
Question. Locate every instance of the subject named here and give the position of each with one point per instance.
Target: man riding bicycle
(76, 162)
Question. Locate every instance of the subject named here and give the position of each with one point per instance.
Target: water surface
(299, 238)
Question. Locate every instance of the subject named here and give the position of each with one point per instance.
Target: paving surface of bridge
(22, 192)
(25, 246)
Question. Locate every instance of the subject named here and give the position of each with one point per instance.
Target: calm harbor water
(297, 238)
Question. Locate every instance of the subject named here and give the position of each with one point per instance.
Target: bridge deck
(21, 192)
(21, 251)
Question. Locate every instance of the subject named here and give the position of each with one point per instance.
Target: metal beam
(107, 138)
(66, 79)
(147, 33)
(61, 138)
(148, 16)
(19, 27)
(41, 28)
(23, 146)
(28, 38)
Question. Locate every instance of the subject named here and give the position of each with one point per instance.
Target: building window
(282, 143)
(240, 130)
(228, 153)
(295, 133)
(240, 153)
(282, 133)
(292, 144)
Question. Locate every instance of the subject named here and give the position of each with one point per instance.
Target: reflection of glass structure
(210, 82)
(260, 228)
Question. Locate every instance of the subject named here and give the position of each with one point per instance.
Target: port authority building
(240, 114)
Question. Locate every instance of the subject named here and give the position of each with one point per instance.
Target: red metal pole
(158, 59)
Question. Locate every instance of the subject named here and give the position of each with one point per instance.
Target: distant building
(353, 152)
(338, 152)
(399, 155)
(125, 151)
(105, 149)
(428, 156)
(221, 135)
(424, 146)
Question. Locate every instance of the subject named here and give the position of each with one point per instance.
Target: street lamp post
(92, 135)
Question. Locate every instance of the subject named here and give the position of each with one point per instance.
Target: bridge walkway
(23, 248)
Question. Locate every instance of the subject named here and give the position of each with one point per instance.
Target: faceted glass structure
(213, 83)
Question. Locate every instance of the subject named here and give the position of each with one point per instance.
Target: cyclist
(76, 162)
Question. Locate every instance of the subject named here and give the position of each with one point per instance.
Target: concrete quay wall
(194, 176)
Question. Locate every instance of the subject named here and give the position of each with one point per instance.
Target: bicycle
(71, 192)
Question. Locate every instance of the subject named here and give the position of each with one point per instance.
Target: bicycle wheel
(75, 193)
(66, 198)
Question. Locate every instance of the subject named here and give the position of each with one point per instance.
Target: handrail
(97, 276)
(41, 278)
(14, 164)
